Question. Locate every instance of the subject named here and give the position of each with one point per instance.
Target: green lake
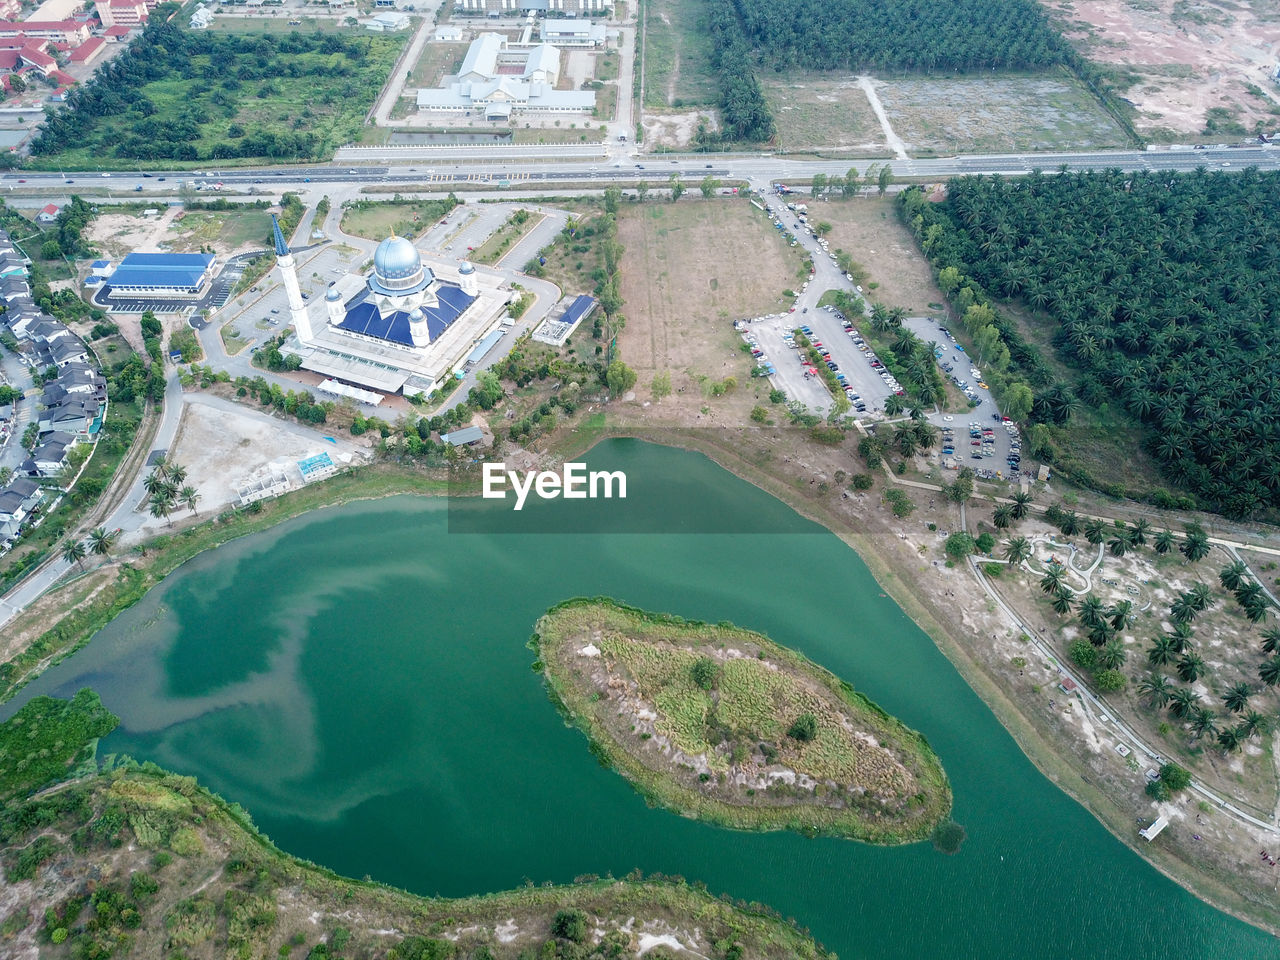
(358, 680)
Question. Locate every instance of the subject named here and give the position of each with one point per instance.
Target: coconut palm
(1053, 578)
(1269, 672)
(1156, 688)
(1253, 724)
(1095, 531)
(1139, 532)
(189, 497)
(1181, 702)
(1070, 525)
(894, 405)
(177, 475)
(100, 542)
(1002, 516)
(1019, 549)
(1201, 596)
(1100, 634)
(73, 552)
(1062, 601)
(1237, 697)
(1233, 576)
(1118, 545)
(1271, 640)
(1164, 542)
(1021, 504)
(1190, 667)
(1183, 609)
(1120, 614)
(1162, 653)
(1230, 739)
(1256, 609)
(161, 468)
(161, 504)
(1196, 546)
(1204, 722)
(154, 483)
(1113, 655)
(1091, 611)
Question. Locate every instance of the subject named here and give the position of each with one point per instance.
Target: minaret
(418, 331)
(467, 279)
(289, 276)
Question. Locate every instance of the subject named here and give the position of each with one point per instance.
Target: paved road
(15, 373)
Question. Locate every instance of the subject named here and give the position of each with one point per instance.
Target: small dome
(333, 296)
(466, 268)
(417, 316)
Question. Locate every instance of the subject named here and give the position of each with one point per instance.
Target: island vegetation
(722, 724)
(1155, 288)
(139, 862)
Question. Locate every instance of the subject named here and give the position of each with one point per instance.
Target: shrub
(861, 481)
(805, 728)
(1083, 654)
(759, 414)
(1175, 777)
(1109, 681)
(959, 545)
(704, 672)
(570, 925)
(1157, 790)
(948, 836)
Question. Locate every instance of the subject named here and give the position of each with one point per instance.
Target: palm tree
(1138, 534)
(1019, 549)
(1121, 614)
(1100, 634)
(1091, 611)
(177, 475)
(1118, 545)
(1095, 531)
(1196, 547)
(1190, 667)
(1181, 702)
(1230, 739)
(894, 405)
(1002, 516)
(162, 505)
(1237, 697)
(73, 552)
(154, 483)
(1113, 655)
(1271, 640)
(100, 541)
(189, 497)
(1253, 724)
(1070, 525)
(1269, 672)
(1162, 652)
(1052, 580)
(1201, 596)
(1204, 722)
(1183, 609)
(1164, 542)
(1021, 504)
(1233, 576)
(1156, 689)
(161, 468)
(1062, 601)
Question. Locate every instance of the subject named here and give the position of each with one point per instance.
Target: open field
(224, 231)
(505, 237)
(869, 230)
(1189, 69)
(376, 220)
(723, 723)
(997, 114)
(677, 56)
(689, 269)
(438, 60)
(820, 110)
(280, 25)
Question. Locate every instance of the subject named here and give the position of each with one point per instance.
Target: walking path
(400, 75)
(868, 85)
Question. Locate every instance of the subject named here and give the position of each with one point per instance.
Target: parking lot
(770, 333)
(853, 362)
(980, 438)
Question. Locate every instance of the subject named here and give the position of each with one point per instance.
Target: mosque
(402, 328)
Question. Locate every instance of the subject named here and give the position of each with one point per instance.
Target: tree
(161, 504)
(1182, 701)
(1018, 550)
(642, 191)
(709, 186)
(1110, 681)
(1091, 612)
(1237, 697)
(570, 925)
(884, 178)
(804, 729)
(1112, 655)
(1002, 516)
(1164, 542)
(73, 552)
(849, 185)
(612, 199)
(1196, 545)
(16, 83)
(1021, 504)
(1233, 577)
(1053, 578)
(1139, 531)
(1017, 402)
(1230, 739)
(959, 545)
(1118, 545)
(1120, 614)
(1190, 667)
(1174, 777)
(962, 489)
(1204, 722)
(676, 185)
(1095, 531)
(1062, 600)
(1269, 672)
(1163, 652)
(1271, 640)
(1254, 724)
(100, 541)
(704, 672)
(620, 378)
(661, 385)
(819, 186)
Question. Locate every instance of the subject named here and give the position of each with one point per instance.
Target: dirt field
(690, 268)
(225, 232)
(869, 230)
(677, 56)
(668, 129)
(1187, 58)
(979, 115)
(220, 447)
(823, 111)
(436, 62)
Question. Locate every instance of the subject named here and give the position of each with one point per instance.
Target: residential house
(17, 501)
(48, 213)
(68, 350)
(73, 416)
(50, 457)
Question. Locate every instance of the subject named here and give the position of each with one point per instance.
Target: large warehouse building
(161, 275)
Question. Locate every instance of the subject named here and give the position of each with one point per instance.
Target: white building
(390, 22)
(571, 32)
(502, 79)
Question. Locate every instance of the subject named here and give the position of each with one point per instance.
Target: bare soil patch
(1186, 59)
(670, 129)
(823, 111)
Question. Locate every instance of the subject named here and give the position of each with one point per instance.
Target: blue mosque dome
(397, 268)
(466, 268)
(333, 294)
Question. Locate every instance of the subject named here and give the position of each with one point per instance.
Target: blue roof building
(162, 274)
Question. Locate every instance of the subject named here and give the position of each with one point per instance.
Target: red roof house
(89, 50)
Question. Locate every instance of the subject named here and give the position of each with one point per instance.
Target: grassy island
(722, 724)
(137, 862)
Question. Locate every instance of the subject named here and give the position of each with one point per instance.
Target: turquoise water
(358, 680)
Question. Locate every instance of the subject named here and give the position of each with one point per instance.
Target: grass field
(974, 115)
(376, 220)
(437, 61)
(821, 111)
(677, 55)
(720, 695)
(225, 231)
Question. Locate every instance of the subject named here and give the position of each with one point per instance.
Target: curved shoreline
(712, 802)
(362, 484)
